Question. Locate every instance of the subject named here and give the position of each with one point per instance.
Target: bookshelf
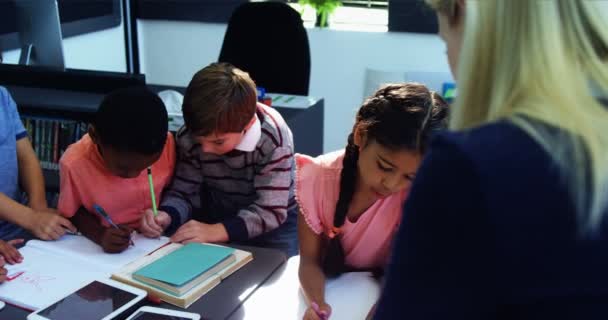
(50, 137)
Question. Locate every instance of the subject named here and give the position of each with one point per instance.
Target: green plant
(324, 9)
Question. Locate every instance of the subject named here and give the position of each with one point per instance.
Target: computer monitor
(39, 33)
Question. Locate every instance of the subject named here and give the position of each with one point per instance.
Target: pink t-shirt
(367, 241)
(86, 181)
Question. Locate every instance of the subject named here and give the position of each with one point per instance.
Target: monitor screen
(76, 17)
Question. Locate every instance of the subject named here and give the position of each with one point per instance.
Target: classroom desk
(222, 301)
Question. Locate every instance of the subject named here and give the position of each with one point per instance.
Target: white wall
(102, 50)
(170, 53)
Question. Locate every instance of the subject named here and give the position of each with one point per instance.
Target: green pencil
(152, 191)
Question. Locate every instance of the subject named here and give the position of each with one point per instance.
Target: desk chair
(268, 40)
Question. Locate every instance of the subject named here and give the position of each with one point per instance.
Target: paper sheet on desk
(82, 248)
(351, 296)
(53, 269)
(45, 278)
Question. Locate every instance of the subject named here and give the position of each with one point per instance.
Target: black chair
(268, 40)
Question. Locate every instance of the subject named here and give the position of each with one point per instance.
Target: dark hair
(132, 120)
(397, 116)
(219, 98)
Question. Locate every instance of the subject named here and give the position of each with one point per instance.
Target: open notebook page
(79, 247)
(46, 277)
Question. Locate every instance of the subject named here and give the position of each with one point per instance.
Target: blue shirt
(11, 130)
(490, 232)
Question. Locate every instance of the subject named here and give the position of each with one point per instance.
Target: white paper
(46, 278)
(54, 269)
(351, 296)
(80, 247)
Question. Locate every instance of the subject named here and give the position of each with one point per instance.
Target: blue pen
(106, 217)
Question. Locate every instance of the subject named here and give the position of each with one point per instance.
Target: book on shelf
(51, 137)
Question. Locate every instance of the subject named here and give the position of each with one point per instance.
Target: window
(380, 15)
(364, 15)
(366, 3)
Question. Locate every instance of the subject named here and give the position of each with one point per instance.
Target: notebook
(126, 275)
(184, 268)
(53, 269)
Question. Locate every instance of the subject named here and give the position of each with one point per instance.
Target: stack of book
(180, 274)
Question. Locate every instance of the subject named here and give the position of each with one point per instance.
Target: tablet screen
(93, 301)
(142, 315)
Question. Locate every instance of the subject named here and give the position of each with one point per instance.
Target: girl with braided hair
(351, 200)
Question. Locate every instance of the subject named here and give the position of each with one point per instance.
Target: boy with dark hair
(107, 167)
(235, 174)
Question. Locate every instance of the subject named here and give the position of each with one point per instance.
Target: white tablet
(153, 313)
(101, 299)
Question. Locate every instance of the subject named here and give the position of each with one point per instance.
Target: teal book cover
(185, 263)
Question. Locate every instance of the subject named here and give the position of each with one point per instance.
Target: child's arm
(44, 224)
(30, 174)
(40, 221)
(312, 278)
(184, 188)
(112, 240)
(272, 182)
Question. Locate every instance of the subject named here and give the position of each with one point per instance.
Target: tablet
(101, 299)
(153, 313)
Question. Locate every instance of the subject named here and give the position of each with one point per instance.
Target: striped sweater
(250, 193)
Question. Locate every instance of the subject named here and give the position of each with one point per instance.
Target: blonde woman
(507, 216)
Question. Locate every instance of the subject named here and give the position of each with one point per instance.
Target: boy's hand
(48, 224)
(153, 227)
(194, 231)
(3, 271)
(116, 240)
(9, 252)
(321, 311)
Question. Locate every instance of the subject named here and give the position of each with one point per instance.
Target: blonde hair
(532, 61)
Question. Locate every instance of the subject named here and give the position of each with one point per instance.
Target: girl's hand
(316, 311)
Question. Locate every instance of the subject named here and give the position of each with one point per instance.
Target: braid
(348, 178)
(333, 264)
